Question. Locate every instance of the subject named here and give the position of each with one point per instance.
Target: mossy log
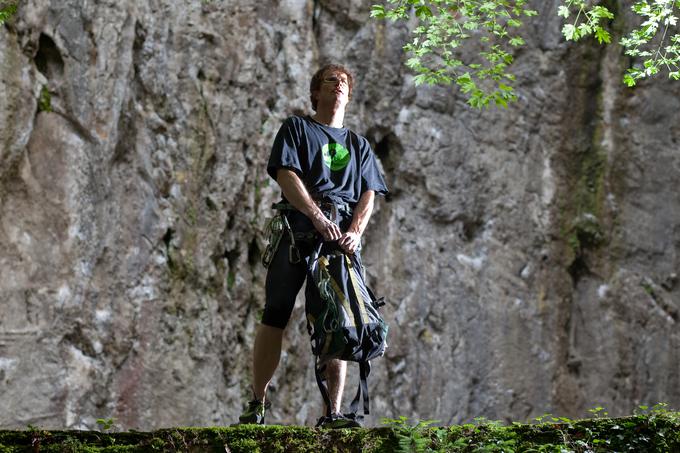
(640, 433)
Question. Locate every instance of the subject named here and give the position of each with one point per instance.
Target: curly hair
(315, 83)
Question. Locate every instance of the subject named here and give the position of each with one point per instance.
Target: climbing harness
(279, 225)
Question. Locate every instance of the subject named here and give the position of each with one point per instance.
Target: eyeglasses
(336, 79)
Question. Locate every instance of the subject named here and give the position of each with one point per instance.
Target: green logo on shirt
(335, 156)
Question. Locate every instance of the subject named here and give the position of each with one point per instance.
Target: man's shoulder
(357, 135)
(359, 139)
(297, 120)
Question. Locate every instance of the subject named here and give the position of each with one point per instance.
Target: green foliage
(587, 21)
(445, 25)
(652, 53)
(410, 438)
(598, 412)
(649, 429)
(7, 10)
(106, 424)
(658, 15)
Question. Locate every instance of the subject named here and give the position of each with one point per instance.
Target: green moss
(7, 11)
(585, 210)
(45, 100)
(657, 430)
(584, 228)
(245, 445)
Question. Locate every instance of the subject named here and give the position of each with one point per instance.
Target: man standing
(329, 177)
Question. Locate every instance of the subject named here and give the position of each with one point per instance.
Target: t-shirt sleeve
(285, 149)
(371, 176)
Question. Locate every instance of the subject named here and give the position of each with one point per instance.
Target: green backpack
(342, 318)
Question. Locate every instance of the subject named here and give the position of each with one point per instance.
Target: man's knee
(269, 334)
(273, 317)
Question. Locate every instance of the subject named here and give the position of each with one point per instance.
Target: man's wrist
(316, 214)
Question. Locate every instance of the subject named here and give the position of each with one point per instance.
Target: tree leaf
(423, 11)
(602, 35)
(563, 11)
(378, 11)
(568, 31)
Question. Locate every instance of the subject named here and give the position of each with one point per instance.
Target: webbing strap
(364, 371)
(323, 264)
(343, 300)
(319, 372)
(357, 292)
(308, 236)
(339, 205)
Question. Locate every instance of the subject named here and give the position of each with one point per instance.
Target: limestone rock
(529, 255)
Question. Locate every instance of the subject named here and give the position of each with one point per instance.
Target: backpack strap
(357, 291)
(323, 203)
(362, 389)
(320, 373)
(364, 371)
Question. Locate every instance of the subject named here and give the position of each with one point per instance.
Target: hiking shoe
(337, 421)
(255, 412)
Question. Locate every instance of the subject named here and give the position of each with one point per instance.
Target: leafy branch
(587, 22)
(659, 15)
(444, 26)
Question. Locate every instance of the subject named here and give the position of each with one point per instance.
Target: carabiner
(293, 254)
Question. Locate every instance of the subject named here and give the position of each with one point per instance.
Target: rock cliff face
(529, 255)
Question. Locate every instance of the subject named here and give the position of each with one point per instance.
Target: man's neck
(330, 117)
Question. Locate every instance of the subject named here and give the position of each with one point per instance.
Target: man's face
(334, 89)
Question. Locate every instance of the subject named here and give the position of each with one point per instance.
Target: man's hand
(349, 242)
(296, 193)
(328, 230)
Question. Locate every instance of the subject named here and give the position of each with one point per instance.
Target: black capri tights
(285, 279)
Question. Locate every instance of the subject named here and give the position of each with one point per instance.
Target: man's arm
(296, 193)
(362, 213)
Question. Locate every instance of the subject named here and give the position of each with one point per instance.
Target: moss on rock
(658, 431)
(45, 101)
